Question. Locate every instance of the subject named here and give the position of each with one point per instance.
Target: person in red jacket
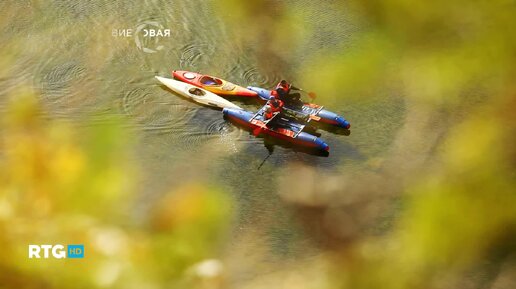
(282, 92)
(273, 105)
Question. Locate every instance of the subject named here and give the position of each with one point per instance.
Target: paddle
(310, 94)
(315, 117)
(270, 154)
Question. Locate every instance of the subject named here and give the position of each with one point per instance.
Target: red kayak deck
(213, 84)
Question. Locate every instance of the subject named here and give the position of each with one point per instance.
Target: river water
(75, 55)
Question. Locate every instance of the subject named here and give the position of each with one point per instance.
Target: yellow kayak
(213, 84)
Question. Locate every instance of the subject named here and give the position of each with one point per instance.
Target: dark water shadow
(312, 130)
(333, 129)
(271, 143)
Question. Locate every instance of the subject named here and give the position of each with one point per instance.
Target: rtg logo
(57, 251)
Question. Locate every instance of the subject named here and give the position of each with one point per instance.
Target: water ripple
(255, 78)
(55, 82)
(154, 114)
(194, 54)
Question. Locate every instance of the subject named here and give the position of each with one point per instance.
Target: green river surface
(67, 52)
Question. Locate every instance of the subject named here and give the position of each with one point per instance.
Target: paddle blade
(315, 117)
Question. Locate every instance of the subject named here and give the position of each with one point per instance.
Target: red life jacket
(282, 90)
(285, 86)
(275, 105)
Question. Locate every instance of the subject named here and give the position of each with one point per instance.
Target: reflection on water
(65, 50)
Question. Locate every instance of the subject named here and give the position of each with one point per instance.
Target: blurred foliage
(62, 184)
(457, 209)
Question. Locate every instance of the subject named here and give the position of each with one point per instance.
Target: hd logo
(57, 251)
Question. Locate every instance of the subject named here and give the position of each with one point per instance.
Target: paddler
(282, 92)
(273, 105)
